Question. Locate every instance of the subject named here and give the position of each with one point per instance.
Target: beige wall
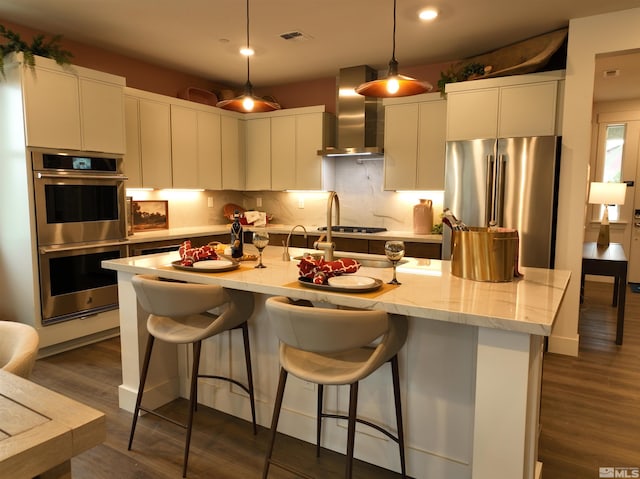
(588, 37)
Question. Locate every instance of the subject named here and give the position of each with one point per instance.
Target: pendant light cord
(393, 52)
(248, 45)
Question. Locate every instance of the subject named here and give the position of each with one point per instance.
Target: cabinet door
(155, 144)
(209, 153)
(132, 157)
(258, 154)
(400, 146)
(283, 153)
(232, 140)
(528, 110)
(184, 147)
(102, 115)
(52, 109)
(472, 114)
(432, 125)
(309, 136)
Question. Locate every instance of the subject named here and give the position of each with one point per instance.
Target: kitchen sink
(369, 261)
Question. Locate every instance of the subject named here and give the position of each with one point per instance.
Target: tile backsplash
(359, 186)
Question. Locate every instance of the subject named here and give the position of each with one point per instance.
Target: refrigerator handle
(490, 190)
(501, 182)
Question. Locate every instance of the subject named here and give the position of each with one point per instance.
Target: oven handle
(56, 248)
(85, 176)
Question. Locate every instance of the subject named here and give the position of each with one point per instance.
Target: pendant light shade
(248, 102)
(395, 84)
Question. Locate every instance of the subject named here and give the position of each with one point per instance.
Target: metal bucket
(483, 255)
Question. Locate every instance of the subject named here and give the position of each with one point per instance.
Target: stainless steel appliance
(80, 221)
(510, 181)
(72, 282)
(79, 197)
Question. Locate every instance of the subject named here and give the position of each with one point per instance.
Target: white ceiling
(202, 37)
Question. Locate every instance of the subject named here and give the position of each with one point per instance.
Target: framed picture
(150, 215)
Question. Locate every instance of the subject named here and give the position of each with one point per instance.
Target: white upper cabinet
(209, 150)
(514, 106)
(232, 140)
(72, 108)
(282, 150)
(258, 154)
(184, 147)
(414, 142)
(172, 143)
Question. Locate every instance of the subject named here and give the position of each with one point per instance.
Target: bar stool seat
(335, 347)
(179, 313)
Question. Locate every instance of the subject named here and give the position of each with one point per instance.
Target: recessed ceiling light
(428, 14)
(247, 51)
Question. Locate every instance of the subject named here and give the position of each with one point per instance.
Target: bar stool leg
(319, 418)
(247, 359)
(396, 394)
(274, 421)
(351, 428)
(193, 400)
(143, 379)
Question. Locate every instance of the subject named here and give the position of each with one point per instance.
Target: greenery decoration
(467, 72)
(40, 46)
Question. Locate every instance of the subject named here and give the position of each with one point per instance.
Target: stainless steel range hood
(359, 131)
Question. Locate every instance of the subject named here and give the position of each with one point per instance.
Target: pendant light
(248, 102)
(394, 85)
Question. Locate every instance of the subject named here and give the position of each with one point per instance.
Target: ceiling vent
(295, 35)
(610, 73)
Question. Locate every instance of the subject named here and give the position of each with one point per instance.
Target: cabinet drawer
(413, 249)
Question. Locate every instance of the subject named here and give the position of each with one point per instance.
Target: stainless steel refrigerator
(510, 181)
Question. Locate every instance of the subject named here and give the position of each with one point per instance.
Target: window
(612, 161)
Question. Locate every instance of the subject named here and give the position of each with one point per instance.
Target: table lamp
(606, 194)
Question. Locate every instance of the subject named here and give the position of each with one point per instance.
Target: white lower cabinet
(414, 143)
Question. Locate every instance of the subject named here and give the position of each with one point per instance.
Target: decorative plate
(208, 266)
(341, 289)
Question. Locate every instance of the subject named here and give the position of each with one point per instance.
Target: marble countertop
(176, 233)
(429, 290)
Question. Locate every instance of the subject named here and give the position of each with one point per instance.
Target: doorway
(615, 152)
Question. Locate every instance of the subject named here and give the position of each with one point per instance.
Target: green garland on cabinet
(40, 46)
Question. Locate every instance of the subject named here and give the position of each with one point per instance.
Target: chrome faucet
(285, 253)
(328, 246)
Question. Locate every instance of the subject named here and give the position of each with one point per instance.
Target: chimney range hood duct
(358, 124)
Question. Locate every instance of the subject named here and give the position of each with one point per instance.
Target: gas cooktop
(354, 229)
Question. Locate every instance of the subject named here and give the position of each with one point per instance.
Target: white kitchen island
(470, 370)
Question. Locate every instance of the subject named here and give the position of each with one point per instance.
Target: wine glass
(394, 251)
(260, 241)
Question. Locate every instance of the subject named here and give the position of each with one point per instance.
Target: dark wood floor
(590, 413)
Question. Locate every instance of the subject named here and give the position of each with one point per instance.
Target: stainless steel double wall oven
(80, 221)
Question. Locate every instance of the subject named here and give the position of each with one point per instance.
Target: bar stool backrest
(325, 330)
(18, 347)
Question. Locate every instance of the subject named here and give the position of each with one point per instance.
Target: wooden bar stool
(334, 347)
(179, 313)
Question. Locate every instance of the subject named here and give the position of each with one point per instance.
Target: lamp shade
(607, 193)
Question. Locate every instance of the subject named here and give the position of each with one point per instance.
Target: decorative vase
(423, 217)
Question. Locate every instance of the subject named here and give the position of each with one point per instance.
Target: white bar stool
(334, 347)
(18, 348)
(178, 313)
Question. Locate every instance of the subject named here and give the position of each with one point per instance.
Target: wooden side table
(40, 430)
(607, 261)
